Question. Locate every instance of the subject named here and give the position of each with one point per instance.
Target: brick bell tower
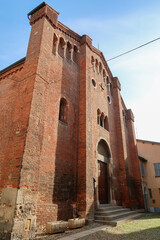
(43, 20)
(48, 178)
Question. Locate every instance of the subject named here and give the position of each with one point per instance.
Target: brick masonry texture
(48, 166)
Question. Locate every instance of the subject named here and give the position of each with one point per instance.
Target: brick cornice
(17, 66)
(68, 31)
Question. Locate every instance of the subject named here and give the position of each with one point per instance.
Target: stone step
(121, 220)
(108, 208)
(115, 216)
(111, 212)
(107, 205)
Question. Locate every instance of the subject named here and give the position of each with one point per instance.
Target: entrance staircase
(111, 214)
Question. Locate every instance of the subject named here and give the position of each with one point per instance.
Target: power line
(133, 49)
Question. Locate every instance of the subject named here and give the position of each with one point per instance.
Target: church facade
(67, 139)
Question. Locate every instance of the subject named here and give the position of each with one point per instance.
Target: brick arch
(69, 50)
(75, 54)
(92, 60)
(63, 110)
(100, 67)
(55, 42)
(103, 147)
(97, 65)
(61, 46)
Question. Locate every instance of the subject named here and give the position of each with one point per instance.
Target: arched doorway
(103, 158)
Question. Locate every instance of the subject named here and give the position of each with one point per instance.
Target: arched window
(61, 47)
(97, 68)
(100, 67)
(75, 54)
(102, 120)
(55, 41)
(63, 110)
(103, 149)
(104, 73)
(68, 50)
(92, 60)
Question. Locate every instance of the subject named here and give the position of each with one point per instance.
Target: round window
(109, 99)
(93, 83)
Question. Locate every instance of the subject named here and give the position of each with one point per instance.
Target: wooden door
(103, 182)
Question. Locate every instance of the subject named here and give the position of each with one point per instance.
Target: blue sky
(115, 26)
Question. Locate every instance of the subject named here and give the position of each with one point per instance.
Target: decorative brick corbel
(129, 115)
(85, 39)
(116, 83)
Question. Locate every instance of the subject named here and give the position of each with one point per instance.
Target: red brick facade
(57, 106)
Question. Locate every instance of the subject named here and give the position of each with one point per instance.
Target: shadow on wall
(64, 184)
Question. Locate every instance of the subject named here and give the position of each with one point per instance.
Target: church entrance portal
(103, 172)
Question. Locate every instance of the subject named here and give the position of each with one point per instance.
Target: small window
(150, 193)
(63, 111)
(93, 83)
(109, 99)
(157, 169)
(142, 170)
(154, 201)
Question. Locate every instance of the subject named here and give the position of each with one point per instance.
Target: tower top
(36, 9)
(43, 10)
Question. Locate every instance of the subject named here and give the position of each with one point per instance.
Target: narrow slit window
(55, 41)
(63, 110)
(150, 193)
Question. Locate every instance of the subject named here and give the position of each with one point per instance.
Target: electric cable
(133, 49)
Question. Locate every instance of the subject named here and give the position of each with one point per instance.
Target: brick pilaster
(135, 171)
(122, 191)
